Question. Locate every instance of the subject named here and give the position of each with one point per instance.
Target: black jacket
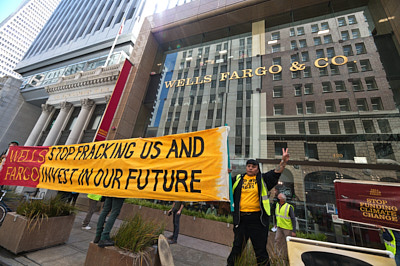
(270, 178)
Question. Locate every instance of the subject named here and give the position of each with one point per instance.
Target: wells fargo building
(318, 77)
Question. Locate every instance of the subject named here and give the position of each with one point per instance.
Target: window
(327, 38)
(352, 67)
(293, 45)
(362, 104)
(308, 89)
(307, 72)
(326, 87)
(349, 127)
(277, 92)
(330, 52)
(330, 106)
(384, 151)
(299, 108)
(303, 43)
(345, 35)
(311, 150)
(371, 83)
(219, 114)
(355, 33)
(360, 48)
(196, 115)
(334, 127)
(342, 22)
(280, 128)
(339, 86)
(323, 72)
(275, 36)
(199, 99)
(276, 61)
(278, 148)
(277, 76)
(302, 128)
(320, 53)
(278, 109)
(210, 114)
(369, 126)
(324, 26)
(238, 130)
(356, 84)
(344, 105)
(347, 50)
(314, 28)
(297, 90)
(294, 58)
(310, 107)
(239, 96)
(352, 19)
(276, 48)
(384, 126)
(365, 65)
(347, 150)
(248, 111)
(295, 74)
(305, 57)
(317, 41)
(212, 98)
(376, 104)
(300, 31)
(292, 32)
(313, 127)
(238, 149)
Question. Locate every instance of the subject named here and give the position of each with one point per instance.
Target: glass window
(302, 128)
(275, 36)
(305, 57)
(334, 127)
(365, 65)
(362, 104)
(279, 146)
(327, 38)
(344, 105)
(278, 109)
(302, 43)
(276, 61)
(317, 41)
(360, 48)
(355, 33)
(349, 126)
(330, 52)
(356, 84)
(324, 26)
(277, 76)
(342, 22)
(384, 126)
(352, 67)
(314, 28)
(276, 48)
(277, 92)
(292, 32)
(347, 50)
(330, 106)
(295, 74)
(345, 35)
(239, 111)
(313, 127)
(340, 86)
(334, 69)
(347, 150)
(310, 107)
(280, 128)
(293, 45)
(384, 151)
(300, 31)
(368, 126)
(320, 53)
(210, 114)
(376, 104)
(307, 72)
(299, 108)
(294, 58)
(297, 90)
(311, 150)
(352, 19)
(371, 83)
(323, 72)
(199, 99)
(308, 89)
(326, 87)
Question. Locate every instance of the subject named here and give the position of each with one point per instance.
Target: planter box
(209, 230)
(17, 237)
(110, 256)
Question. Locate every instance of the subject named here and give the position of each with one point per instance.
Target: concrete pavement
(188, 250)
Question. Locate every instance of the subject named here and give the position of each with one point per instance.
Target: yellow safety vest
(264, 194)
(282, 216)
(94, 197)
(391, 246)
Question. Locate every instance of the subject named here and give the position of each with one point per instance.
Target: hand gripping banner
(187, 167)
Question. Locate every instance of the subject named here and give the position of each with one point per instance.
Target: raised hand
(285, 155)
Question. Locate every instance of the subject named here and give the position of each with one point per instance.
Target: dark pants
(250, 227)
(176, 219)
(114, 206)
(91, 210)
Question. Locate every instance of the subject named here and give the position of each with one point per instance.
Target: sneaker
(87, 227)
(96, 239)
(105, 243)
(172, 241)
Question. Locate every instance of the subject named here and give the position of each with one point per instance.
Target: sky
(7, 7)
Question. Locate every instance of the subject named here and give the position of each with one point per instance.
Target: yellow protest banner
(187, 167)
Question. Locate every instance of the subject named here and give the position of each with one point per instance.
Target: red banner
(108, 116)
(368, 202)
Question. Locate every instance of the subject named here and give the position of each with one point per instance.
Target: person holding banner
(286, 224)
(176, 210)
(252, 208)
(93, 199)
(392, 242)
(4, 154)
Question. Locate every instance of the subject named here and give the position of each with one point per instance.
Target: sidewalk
(188, 251)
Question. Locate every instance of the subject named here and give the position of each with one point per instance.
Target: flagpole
(115, 42)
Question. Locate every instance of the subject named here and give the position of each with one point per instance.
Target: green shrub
(312, 236)
(136, 234)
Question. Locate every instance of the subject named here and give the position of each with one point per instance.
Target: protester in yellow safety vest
(252, 208)
(286, 224)
(93, 199)
(392, 242)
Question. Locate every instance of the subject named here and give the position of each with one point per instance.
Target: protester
(93, 199)
(392, 242)
(176, 210)
(252, 208)
(211, 210)
(114, 206)
(4, 154)
(286, 224)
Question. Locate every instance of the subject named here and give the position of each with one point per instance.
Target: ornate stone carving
(87, 103)
(47, 108)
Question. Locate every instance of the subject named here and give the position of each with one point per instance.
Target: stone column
(40, 124)
(57, 127)
(86, 106)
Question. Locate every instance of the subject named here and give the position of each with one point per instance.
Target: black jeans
(176, 219)
(250, 226)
